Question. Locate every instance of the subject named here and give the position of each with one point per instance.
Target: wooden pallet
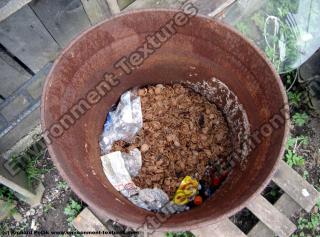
(35, 31)
(274, 219)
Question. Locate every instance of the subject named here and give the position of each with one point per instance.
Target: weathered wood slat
(205, 7)
(158, 234)
(220, 7)
(10, 78)
(18, 183)
(205, 231)
(140, 4)
(124, 3)
(87, 221)
(26, 38)
(8, 7)
(285, 205)
(208, 6)
(113, 6)
(63, 19)
(271, 217)
(296, 186)
(223, 229)
(12, 62)
(97, 10)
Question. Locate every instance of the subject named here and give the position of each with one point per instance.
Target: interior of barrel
(199, 52)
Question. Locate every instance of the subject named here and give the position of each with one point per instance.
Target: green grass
(6, 193)
(32, 170)
(8, 197)
(179, 234)
(29, 161)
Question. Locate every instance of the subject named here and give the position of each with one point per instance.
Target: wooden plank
(140, 4)
(23, 35)
(221, 7)
(97, 10)
(63, 19)
(5, 56)
(158, 234)
(205, 7)
(87, 221)
(113, 6)
(223, 229)
(205, 231)
(271, 217)
(124, 3)
(296, 186)
(8, 7)
(11, 78)
(17, 181)
(285, 205)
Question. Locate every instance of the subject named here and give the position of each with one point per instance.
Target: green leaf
(291, 142)
(300, 119)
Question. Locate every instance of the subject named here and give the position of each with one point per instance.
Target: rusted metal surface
(204, 48)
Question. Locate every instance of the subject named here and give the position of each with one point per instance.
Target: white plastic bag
(123, 123)
(115, 168)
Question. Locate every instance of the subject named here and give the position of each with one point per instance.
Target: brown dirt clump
(183, 134)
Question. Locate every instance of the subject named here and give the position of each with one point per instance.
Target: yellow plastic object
(187, 190)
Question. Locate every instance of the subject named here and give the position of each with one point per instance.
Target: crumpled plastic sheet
(150, 199)
(133, 162)
(114, 166)
(115, 169)
(123, 123)
(154, 198)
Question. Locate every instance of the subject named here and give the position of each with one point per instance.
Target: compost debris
(166, 144)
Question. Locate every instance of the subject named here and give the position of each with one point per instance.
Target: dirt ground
(50, 214)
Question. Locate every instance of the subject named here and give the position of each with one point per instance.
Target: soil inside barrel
(183, 135)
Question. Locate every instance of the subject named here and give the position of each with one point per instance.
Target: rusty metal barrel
(91, 74)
